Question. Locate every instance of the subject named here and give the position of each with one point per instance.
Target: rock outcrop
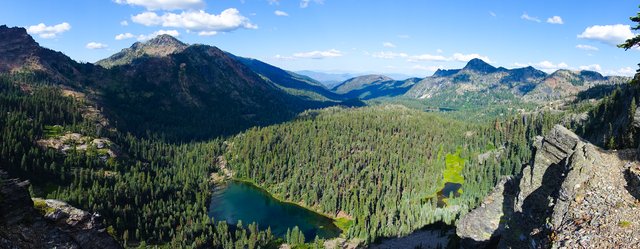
(574, 195)
(486, 222)
(23, 226)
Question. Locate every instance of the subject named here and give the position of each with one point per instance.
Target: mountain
(197, 91)
(21, 53)
(164, 87)
(476, 77)
(291, 82)
(330, 80)
(373, 86)
(483, 82)
(159, 46)
(479, 66)
(564, 83)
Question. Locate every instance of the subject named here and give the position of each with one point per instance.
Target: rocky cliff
(48, 223)
(574, 195)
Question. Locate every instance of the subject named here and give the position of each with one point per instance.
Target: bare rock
(487, 222)
(61, 225)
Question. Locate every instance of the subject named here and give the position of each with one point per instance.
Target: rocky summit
(574, 195)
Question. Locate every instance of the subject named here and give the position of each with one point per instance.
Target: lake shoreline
(280, 199)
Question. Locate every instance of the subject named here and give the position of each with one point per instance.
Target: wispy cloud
(280, 13)
(388, 45)
(331, 53)
(491, 13)
(527, 17)
(586, 47)
(305, 3)
(165, 4)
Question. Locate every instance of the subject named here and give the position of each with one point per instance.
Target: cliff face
(62, 226)
(574, 195)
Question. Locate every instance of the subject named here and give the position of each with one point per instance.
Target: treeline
(381, 165)
(152, 193)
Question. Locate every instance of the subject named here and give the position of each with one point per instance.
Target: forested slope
(381, 165)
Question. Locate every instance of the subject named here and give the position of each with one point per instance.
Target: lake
(234, 201)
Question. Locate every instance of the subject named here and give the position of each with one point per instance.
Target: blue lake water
(236, 201)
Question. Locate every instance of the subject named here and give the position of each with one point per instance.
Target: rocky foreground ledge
(50, 224)
(574, 195)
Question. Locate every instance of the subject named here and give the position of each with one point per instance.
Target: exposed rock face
(575, 195)
(63, 226)
(482, 224)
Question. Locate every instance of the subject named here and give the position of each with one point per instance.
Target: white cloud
(47, 32)
(404, 36)
(207, 33)
(468, 57)
(546, 66)
(609, 34)
(625, 71)
(227, 20)
(555, 20)
(280, 13)
(428, 57)
(426, 68)
(157, 33)
(305, 3)
(586, 47)
(96, 45)
(439, 51)
(274, 2)
(331, 53)
(124, 23)
(124, 36)
(491, 13)
(592, 67)
(389, 55)
(165, 4)
(525, 16)
(388, 45)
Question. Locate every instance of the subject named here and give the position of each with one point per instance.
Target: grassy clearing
(454, 166)
(343, 223)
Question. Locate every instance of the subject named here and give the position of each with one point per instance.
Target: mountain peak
(166, 41)
(160, 46)
(479, 66)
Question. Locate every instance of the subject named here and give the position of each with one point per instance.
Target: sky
(411, 37)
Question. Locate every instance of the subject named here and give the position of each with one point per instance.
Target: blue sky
(386, 36)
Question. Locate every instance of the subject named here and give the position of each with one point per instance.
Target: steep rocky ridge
(51, 224)
(21, 53)
(574, 195)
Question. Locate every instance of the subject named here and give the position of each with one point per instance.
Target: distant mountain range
(166, 87)
(527, 83)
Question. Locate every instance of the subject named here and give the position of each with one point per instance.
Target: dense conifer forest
(382, 165)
